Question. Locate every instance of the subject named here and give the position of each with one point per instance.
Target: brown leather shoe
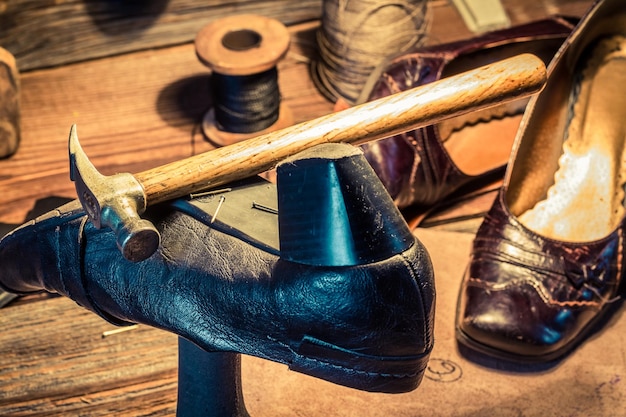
(420, 168)
(547, 262)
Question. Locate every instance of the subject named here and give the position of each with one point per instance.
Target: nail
(265, 208)
(120, 330)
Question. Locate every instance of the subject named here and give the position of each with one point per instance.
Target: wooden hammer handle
(492, 84)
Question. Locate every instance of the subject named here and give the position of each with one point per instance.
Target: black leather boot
(345, 292)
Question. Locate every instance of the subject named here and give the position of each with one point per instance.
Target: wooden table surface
(134, 111)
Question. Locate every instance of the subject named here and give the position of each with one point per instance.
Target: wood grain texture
(139, 110)
(66, 367)
(134, 112)
(43, 33)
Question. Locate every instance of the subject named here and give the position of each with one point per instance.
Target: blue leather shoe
(332, 284)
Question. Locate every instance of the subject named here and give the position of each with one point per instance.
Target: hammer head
(114, 201)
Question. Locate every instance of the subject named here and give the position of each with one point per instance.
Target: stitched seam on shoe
(539, 288)
(510, 260)
(498, 255)
(417, 162)
(554, 266)
(414, 276)
(477, 282)
(620, 257)
(84, 281)
(59, 267)
(350, 370)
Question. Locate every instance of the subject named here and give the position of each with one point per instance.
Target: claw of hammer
(114, 201)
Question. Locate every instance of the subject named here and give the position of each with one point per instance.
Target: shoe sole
(356, 370)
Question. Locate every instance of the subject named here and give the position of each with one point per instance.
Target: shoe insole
(483, 146)
(585, 202)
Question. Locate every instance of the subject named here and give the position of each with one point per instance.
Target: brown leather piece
(415, 166)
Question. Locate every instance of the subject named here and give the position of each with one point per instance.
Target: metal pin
(120, 330)
(212, 192)
(263, 207)
(6, 298)
(219, 206)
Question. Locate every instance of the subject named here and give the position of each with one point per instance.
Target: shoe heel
(334, 211)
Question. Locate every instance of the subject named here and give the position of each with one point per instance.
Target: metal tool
(117, 201)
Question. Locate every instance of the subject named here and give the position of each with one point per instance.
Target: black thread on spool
(248, 103)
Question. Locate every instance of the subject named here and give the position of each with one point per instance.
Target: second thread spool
(242, 51)
(357, 36)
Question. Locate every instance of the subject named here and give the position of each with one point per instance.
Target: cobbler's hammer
(117, 201)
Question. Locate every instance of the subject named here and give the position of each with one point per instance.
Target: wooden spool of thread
(242, 51)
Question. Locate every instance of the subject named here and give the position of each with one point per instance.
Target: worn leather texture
(528, 295)
(532, 298)
(367, 326)
(414, 166)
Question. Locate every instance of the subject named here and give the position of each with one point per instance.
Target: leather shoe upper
(414, 166)
(530, 296)
(218, 280)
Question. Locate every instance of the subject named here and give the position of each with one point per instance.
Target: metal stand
(209, 383)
